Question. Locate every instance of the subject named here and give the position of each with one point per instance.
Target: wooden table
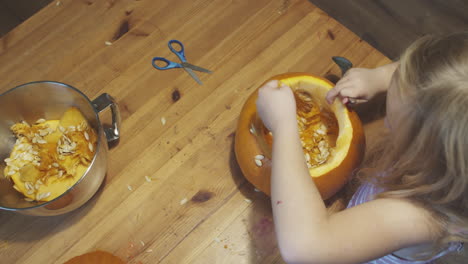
(190, 157)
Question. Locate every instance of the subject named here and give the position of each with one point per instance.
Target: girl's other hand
(360, 85)
(276, 105)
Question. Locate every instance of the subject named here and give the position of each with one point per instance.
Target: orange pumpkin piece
(96, 257)
(332, 136)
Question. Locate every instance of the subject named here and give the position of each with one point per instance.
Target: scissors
(184, 64)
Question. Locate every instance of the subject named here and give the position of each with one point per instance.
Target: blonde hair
(426, 159)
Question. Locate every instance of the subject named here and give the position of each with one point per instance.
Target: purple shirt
(365, 193)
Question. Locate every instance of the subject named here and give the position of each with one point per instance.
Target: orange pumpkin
(96, 257)
(332, 136)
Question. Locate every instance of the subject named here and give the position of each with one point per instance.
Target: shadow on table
(16, 227)
(259, 224)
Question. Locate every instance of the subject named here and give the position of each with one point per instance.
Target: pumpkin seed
(28, 185)
(259, 163)
(41, 196)
(259, 157)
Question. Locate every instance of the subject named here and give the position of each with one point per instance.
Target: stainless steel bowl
(49, 100)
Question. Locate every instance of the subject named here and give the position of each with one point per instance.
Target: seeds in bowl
(50, 156)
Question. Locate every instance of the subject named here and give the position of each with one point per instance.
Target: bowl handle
(102, 102)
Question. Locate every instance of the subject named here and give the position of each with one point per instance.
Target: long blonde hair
(426, 159)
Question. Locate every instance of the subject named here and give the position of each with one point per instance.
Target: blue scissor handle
(169, 64)
(179, 52)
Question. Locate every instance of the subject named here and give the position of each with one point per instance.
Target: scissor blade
(194, 76)
(195, 68)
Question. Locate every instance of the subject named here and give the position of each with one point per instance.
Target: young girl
(416, 209)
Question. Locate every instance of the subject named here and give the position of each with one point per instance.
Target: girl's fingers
(334, 92)
(345, 100)
(331, 95)
(350, 92)
(283, 86)
(337, 91)
(270, 85)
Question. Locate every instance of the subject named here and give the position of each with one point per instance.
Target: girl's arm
(306, 232)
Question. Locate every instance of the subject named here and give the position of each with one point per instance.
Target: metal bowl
(49, 100)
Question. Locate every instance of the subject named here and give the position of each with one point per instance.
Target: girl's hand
(276, 106)
(360, 85)
(357, 85)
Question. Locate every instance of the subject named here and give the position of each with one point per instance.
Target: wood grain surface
(190, 157)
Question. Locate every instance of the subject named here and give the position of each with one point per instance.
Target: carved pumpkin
(332, 136)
